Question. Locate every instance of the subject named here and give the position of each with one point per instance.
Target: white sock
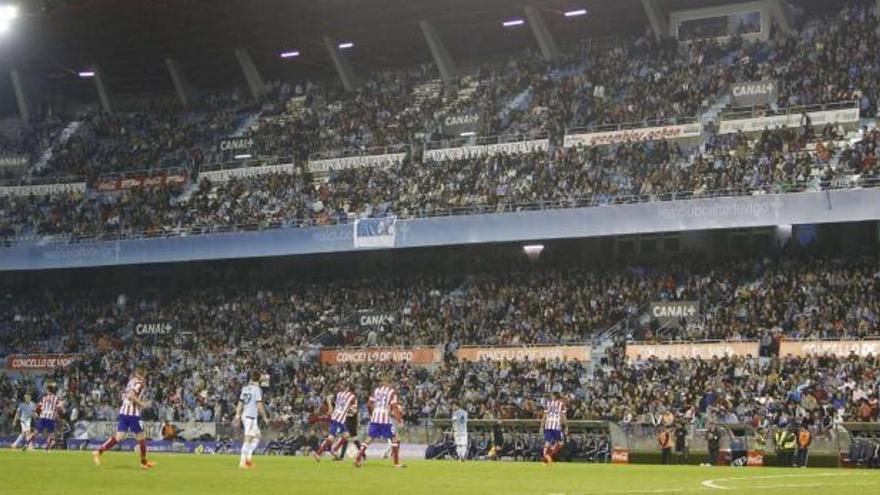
(20, 438)
(252, 445)
(244, 455)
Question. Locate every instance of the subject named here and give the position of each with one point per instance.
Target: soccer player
(24, 415)
(344, 405)
(48, 410)
(129, 419)
(459, 431)
(250, 403)
(554, 423)
(383, 405)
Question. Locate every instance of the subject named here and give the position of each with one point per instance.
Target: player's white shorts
(25, 425)
(251, 427)
(461, 439)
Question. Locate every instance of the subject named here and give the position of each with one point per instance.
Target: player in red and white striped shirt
(343, 405)
(47, 413)
(130, 418)
(554, 423)
(383, 406)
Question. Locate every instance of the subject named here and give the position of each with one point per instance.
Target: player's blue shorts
(129, 424)
(551, 436)
(337, 428)
(47, 425)
(379, 430)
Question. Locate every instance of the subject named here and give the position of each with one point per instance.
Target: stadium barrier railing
(580, 202)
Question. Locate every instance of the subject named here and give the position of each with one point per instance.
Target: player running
(554, 424)
(129, 419)
(48, 410)
(459, 431)
(383, 405)
(24, 414)
(344, 405)
(250, 403)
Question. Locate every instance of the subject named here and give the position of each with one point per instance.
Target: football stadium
(440, 246)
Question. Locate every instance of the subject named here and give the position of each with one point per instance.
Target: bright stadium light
(513, 23)
(346, 45)
(290, 54)
(575, 13)
(243, 157)
(467, 133)
(8, 13)
(85, 74)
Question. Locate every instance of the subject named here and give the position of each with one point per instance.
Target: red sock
(362, 452)
(395, 452)
(340, 443)
(555, 450)
(50, 442)
(142, 446)
(324, 446)
(108, 445)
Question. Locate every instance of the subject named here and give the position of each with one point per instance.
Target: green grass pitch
(73, 472)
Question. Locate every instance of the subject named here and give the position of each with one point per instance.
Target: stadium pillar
(781, 12)
(440, 53)
(343, 67)
(103, 90)
(251, 74)
(181, 85)
(21, 95)
(546, 41)
(657, 18)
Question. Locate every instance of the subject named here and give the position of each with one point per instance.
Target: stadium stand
(595, 129)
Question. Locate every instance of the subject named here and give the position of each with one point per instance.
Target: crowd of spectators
(772, 161)
(150, 135)
(763, 392)
(642, 80)
(26, 142)
(219, 333)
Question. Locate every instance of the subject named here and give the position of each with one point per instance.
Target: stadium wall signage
(42, 189)
(39, 362)
(453, 125)
(189, 430)
(351, 162)
(758, 124)
(112, 184)
(369, 318)
(837, 348)
(412, 355)
(749, 94)
(463, 152)
(704, 350)
(236, 144)
(154, 328)
(243, 172)
(375, 232)
(633, 135)
(671, 311)
(14, 161)
(537, 353)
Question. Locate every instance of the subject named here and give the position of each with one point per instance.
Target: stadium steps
(63, 136)
(519, 102)
(711, 114)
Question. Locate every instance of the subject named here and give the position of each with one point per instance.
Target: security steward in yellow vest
(786, 443)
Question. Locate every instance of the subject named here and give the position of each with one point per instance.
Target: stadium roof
(130, 39)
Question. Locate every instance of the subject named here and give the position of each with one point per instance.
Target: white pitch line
(713, 483)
